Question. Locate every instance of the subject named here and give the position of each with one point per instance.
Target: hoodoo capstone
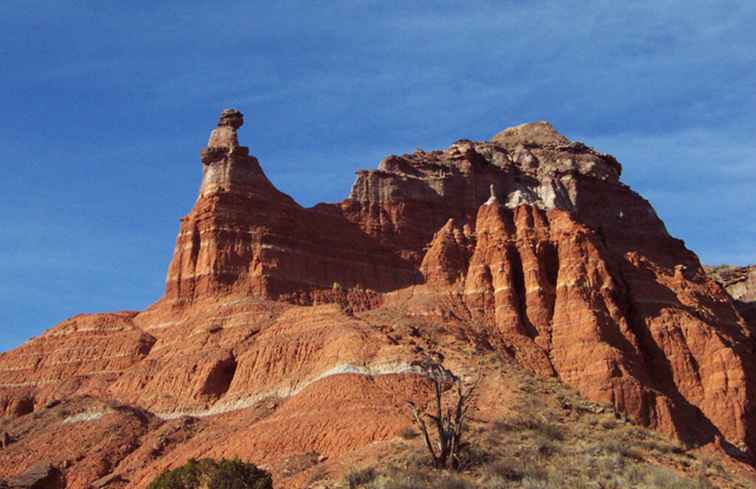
(224, 136)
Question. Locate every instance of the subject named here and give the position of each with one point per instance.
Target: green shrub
(212, 474)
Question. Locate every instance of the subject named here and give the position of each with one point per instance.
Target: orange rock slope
(286, 331)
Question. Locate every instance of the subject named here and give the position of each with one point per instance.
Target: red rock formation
(84, 353)
(529, 239)
(740, 283)
(244, 236)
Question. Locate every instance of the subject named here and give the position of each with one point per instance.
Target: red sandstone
(274, 336)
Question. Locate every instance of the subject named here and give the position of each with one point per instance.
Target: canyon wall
(528, 236)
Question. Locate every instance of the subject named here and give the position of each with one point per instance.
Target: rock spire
(224, 136)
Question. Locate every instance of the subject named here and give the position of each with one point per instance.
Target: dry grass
(409, 433)
(547, 437)
(553, 439)
(360, 477)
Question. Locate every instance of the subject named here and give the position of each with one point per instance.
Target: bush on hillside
(214, 474)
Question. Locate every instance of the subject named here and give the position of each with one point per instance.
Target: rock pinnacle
(224, 136)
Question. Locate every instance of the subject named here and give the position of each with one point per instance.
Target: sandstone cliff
(740, 283)
(527, 244)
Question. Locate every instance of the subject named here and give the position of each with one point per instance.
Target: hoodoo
(244, 236)
(224, 136)
(290, 313)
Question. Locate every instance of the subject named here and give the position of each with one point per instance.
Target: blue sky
(104, 106)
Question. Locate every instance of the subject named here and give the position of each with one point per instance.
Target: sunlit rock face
(528, 237)
(224, 136)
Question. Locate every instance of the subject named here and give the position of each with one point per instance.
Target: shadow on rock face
(39, 476)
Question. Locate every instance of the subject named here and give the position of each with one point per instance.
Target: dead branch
(449, 425)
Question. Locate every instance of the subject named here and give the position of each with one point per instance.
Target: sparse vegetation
(360, 477)
(615, 447)
(212, 474)
(550, 438)
(409, 433)
(448, 417)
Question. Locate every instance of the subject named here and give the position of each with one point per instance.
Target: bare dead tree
(448, 418)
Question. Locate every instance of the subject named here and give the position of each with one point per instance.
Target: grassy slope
(546, 436)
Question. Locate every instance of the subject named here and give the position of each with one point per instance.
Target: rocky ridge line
(528, 244)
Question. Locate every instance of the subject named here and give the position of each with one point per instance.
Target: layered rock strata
(244, 236)
(84, 353)
(537, 234)
(528, 243)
